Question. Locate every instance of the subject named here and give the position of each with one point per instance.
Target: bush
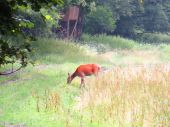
(154, 38)
(99, 21)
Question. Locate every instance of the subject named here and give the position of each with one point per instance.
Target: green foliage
(52, 16)
(9, 54)
(42, 21)
(113, 42)
(12, 24)
(134, 16)
(126, 14)
(99, 21)
(39, 25)
(165, 52)
(166, 8)
(59, 51)
(155, 19)
(122, 8)
(125, 26)
(154, 38)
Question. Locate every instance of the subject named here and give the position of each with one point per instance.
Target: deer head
(69, 79)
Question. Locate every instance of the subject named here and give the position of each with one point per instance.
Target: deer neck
(73, 76)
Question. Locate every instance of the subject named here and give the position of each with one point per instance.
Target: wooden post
(68, 28)
(75, 27)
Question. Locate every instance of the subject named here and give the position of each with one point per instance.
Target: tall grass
(61, 51)
(164, 52)
(129, 96)
(57, 51)
(114, 42)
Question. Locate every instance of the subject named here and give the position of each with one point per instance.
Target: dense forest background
(131, 19)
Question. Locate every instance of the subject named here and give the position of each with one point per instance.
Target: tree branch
(13, 71)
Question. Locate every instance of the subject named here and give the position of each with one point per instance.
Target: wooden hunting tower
(71, 23)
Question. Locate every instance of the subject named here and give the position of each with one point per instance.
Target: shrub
(99, 21)
(154, 38)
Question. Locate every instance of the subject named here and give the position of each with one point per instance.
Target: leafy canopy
(12, 24)
(100, 21)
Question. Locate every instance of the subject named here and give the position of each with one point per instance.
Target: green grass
(18, 105)
(58, 51)
(53, 60)
(38, 96)
(165, 52)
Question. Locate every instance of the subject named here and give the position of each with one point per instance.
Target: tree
(166, 8)
(155, 19)
(126, 15)
(12, 24)
(138, 16)
(99, 21)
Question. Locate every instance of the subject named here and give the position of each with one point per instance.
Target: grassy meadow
(132, 92)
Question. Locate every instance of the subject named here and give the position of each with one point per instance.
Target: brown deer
(82, 71)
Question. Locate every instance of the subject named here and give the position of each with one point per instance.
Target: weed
(49, 101)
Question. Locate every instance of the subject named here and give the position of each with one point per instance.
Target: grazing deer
(82, 71)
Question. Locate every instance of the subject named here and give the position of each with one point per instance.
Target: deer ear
(68, 74)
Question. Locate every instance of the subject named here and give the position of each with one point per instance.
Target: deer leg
(96, 75)
(82, 82)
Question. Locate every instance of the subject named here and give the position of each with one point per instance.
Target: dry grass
(50, 100)
(132, 57)
(130, 96)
